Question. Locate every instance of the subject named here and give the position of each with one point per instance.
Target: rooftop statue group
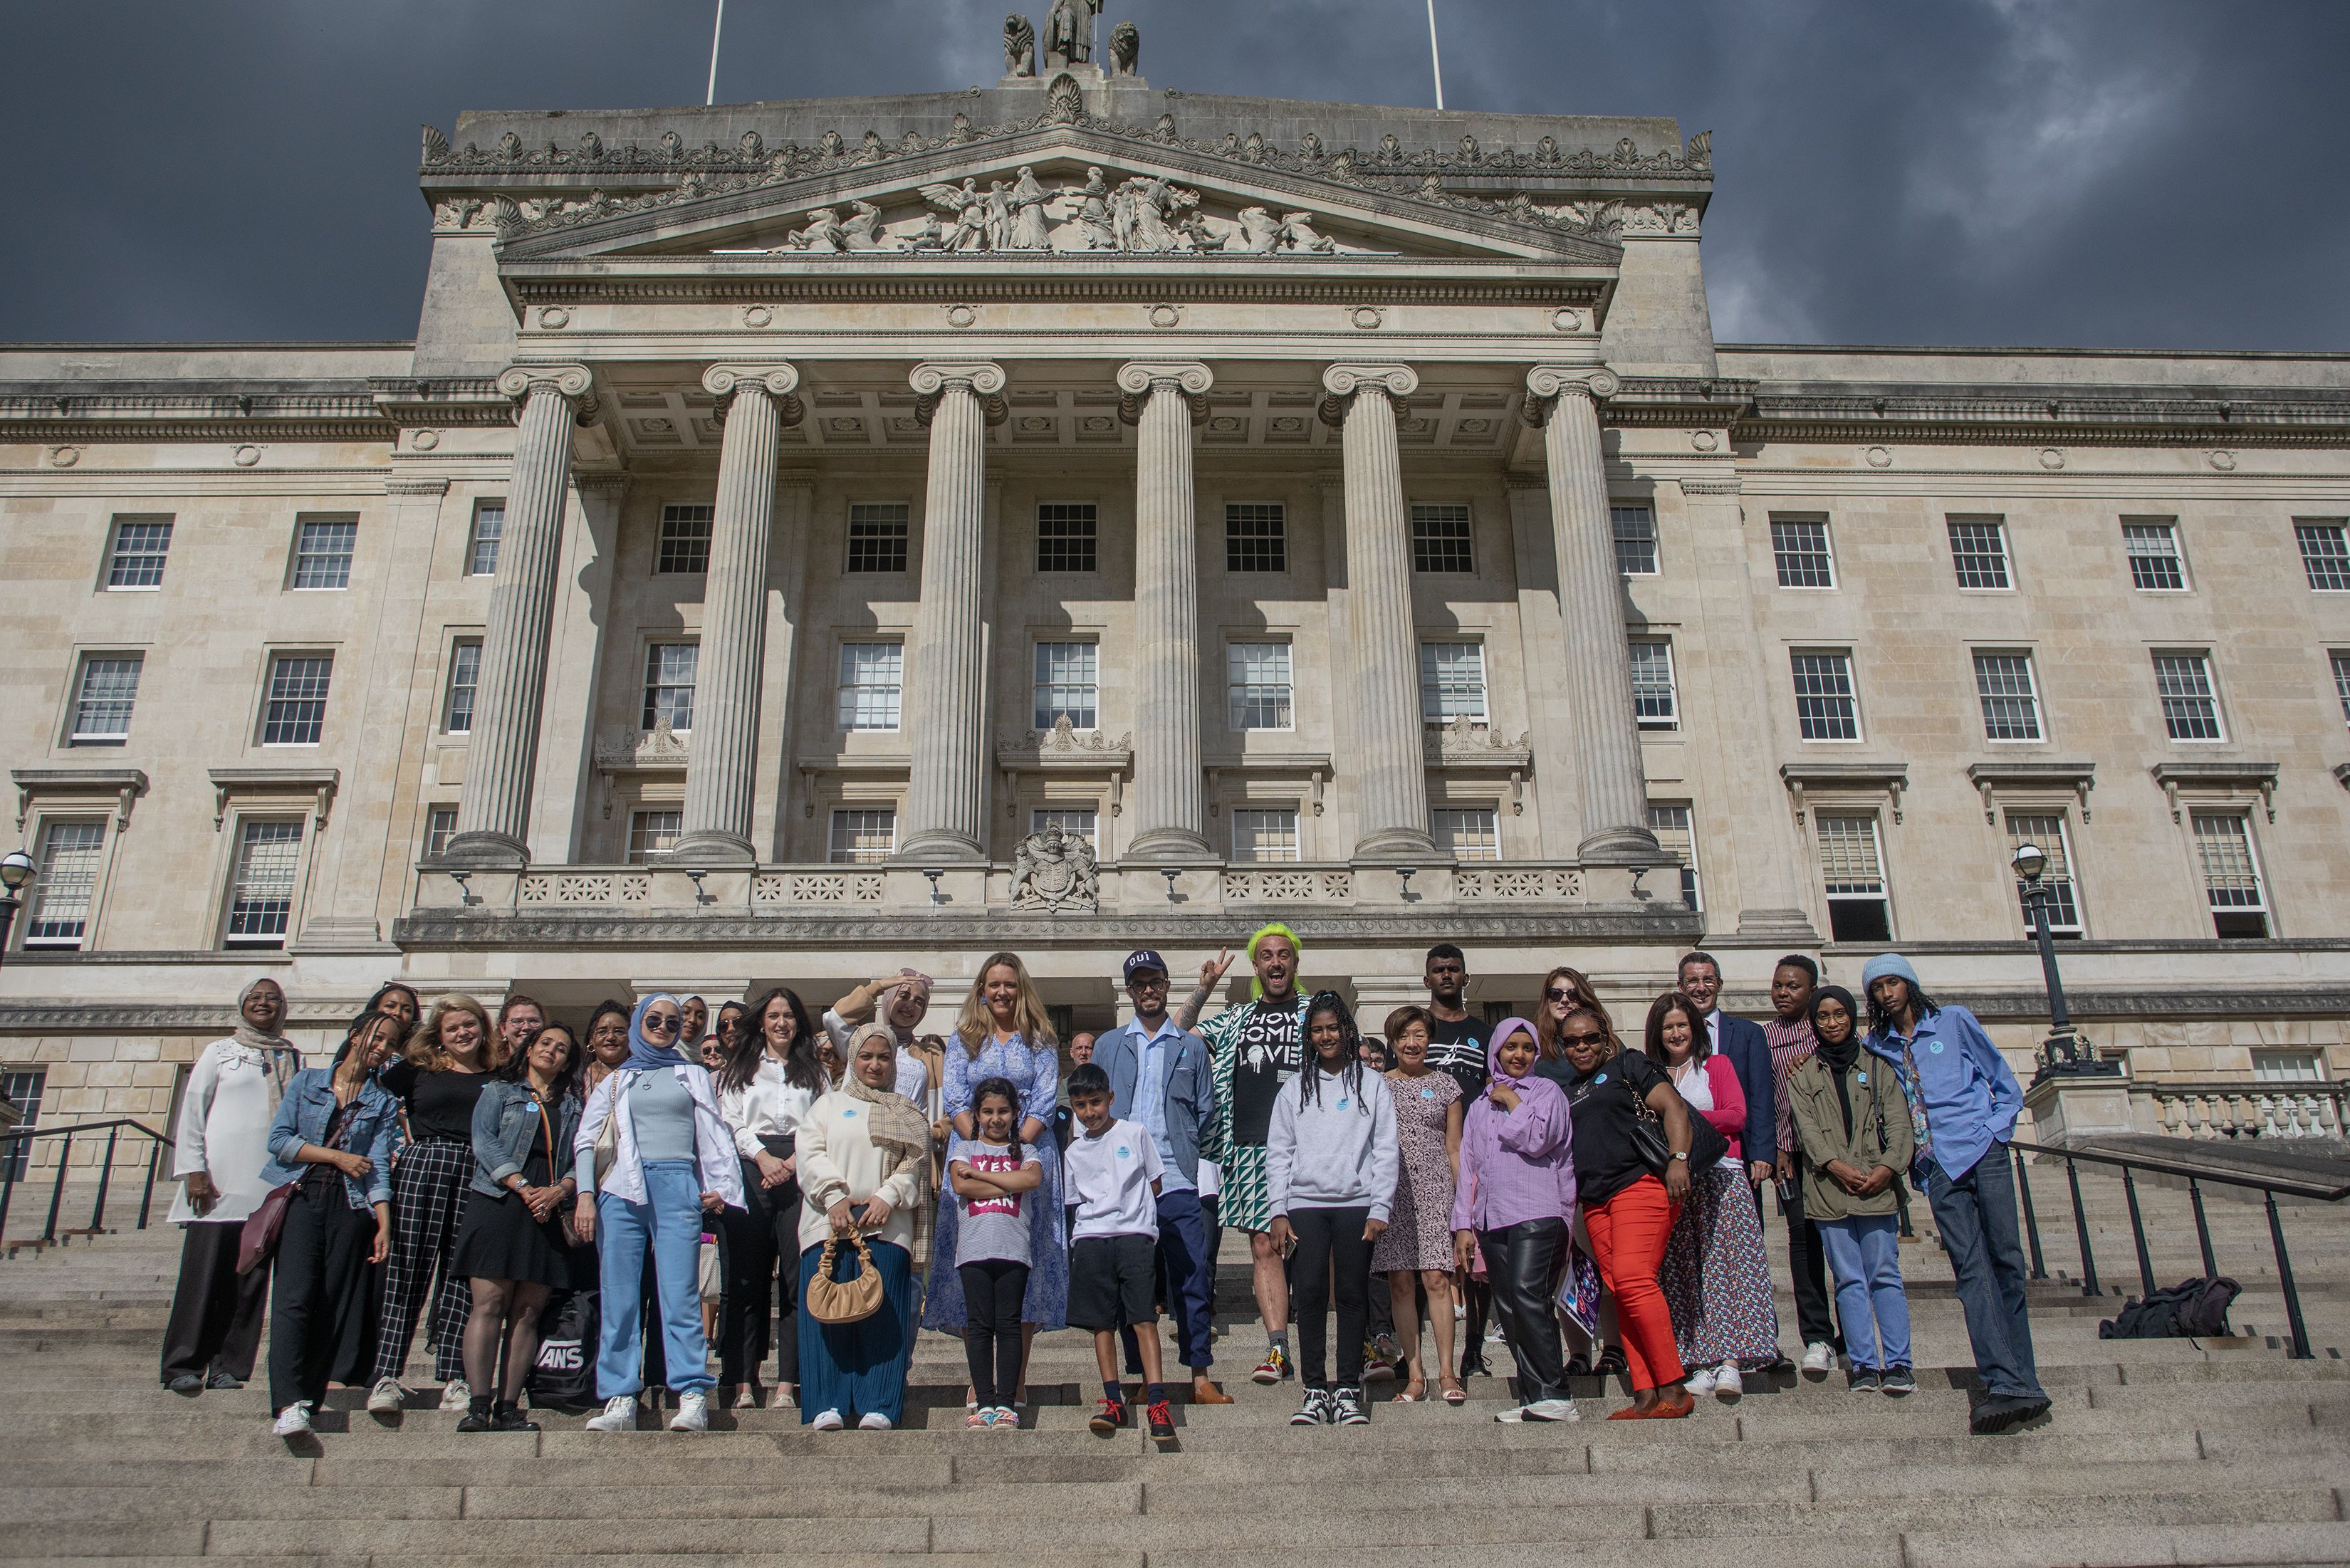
(1069, 41)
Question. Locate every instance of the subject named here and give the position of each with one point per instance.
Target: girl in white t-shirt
(992, 1177)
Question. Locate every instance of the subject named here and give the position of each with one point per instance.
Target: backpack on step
(565, 1376)
(2196, 1309)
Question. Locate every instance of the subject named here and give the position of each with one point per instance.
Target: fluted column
(1391, 791)
(1170, 808)
(721, 769)
(945, 667)
(493, 811)
(1590, 602)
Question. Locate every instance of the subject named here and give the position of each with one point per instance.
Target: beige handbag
(842, 1301)
(607, 1143)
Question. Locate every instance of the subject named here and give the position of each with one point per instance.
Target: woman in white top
(864, 1166)
(223, 1142)
(769, 1078)
(902, 1001)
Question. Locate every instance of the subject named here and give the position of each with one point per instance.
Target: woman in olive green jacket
(1853, 1122)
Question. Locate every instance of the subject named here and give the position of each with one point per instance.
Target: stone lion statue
(1126, 50)
(1019, 47)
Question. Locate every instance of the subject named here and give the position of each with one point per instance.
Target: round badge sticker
(1935, 1049)
(1125, 1153)
(1427, 1094)
(1601, 1079)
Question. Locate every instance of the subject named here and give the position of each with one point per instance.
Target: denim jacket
(505, 1122)
(373, 1130)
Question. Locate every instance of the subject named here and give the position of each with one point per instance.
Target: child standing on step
(1113, 1171)
(991, 1175)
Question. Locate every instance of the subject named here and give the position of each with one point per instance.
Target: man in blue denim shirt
(1963, 1101)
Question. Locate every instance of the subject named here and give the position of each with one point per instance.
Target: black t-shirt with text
(1268, 1051)
(1458, 1050)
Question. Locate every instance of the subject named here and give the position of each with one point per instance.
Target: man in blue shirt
(1963, 1101)
(1159, 1076)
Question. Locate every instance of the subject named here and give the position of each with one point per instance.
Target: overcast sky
(2133, 172)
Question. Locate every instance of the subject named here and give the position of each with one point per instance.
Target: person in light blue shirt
(1963, 1101)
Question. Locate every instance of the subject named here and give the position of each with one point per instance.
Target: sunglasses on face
(660, 1023)
(1583, 1040)
(1558, 993)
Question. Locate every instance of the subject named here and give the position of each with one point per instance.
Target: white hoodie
(1337, 1153)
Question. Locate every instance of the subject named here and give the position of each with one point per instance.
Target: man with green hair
(1255, 1049)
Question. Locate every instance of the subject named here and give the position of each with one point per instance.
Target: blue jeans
(671, 1224)
(1186, 1279)
(1865, 1255)
(1976, 1214)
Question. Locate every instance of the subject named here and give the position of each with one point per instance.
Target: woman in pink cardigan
(1716, 1279)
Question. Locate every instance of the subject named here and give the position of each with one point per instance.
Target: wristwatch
(1680, 1154)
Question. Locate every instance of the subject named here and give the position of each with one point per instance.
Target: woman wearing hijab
(671, 1156)
(693, 1027)
(231, 1097)
(864, 1166)
(902, 1001)
(1851, 1120)
(1516, 1200)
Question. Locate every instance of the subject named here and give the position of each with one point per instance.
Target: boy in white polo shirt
(1111, 1173)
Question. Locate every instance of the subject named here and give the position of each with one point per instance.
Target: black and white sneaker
(1864, 1380)
(1897, 1382)
(1316, 1410)
(1347, 1408)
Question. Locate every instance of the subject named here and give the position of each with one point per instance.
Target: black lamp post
(15, 870)
(2063, 1053)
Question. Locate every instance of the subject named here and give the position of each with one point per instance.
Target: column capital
(1136, 378)
(1545, 384)
(983, 380)
(1342, 381)
(576, 383)
(779, 381)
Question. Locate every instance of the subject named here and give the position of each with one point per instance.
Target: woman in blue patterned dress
(1003, 1032)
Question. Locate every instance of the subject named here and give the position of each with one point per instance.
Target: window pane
(1077, 822)
(653, 833)
(2232, 877)
(1066, 686)
(1452, 681)
(1978, 549)
(1065, 536)
(864, 838)
(872, 678)
(1853, 876)
(68, 876)
(465, 677)
(669, 684)
(439, 828)
(2153, 551)
(1467, 832)
(2287, 1066)
(1653, 699)
(1264, 834)
(1439, 539)
(110, 686)
(322, 552)
(489, 527)
(2046, 830)
(1635, 540)
(876, 538)
(2342, 682)
(1675, 835)
(2010, 706)
(2190, 710)
(1257, 676)
(296, 710)
(1801, 547)
(2324, 555)
(684, 540)
(1256, 538)
(1825, 707)
(25, 1087)
(140, 543)
(261, 899)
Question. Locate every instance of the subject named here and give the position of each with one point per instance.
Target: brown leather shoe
(1206, 1393)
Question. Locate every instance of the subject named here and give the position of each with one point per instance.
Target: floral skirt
(1716, 1277)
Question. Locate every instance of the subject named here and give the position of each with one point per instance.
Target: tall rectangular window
(1067, 536)
(2046, 830)
(1467, 832)
(2324, 555)
(2152, 546)
(1077, 822)
(877, 536)
(481, 549)
(1826, 708)
(2190, 707)
(1635, 528)
(1452, 681)
(1654, 699)
(1067, 685)
(1800, 545)
(322, 552)
(1979, 552)
(863, 836)
(1258, 685)
(1676, 837)
(2341, 661)
(295, 712)
(872, 682)
(68, 880)
(669, 684)
(465, 679)
(2010, 698)
(140, 545)
(260, 890)
(25, 1088)
(653, 833)
(1439, 539)
(110, 686)
(2231, 874)
(685, 544)
(1256, 537)
(439, 828)
(1261, 834)
(1853, 876)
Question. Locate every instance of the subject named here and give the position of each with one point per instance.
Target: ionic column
(722, 767)
(493, 811)
(1563, 398)
(945, 665)
(1170, 815)
(1391, 794)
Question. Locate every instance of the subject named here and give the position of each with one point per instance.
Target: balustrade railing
(2247, 1108)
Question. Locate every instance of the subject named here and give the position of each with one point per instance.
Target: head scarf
(1256, 986)
(1839, 1057)
(899, 1130)
(276, 1052)
(889, 999)
(693, 1048)
(1502, 1031)
(643, 1055)
(1481, 1151)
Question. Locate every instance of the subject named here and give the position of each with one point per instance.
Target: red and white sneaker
(1275, 1367)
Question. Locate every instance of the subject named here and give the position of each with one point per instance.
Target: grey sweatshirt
(1337, 1153)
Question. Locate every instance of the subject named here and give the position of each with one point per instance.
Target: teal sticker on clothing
(1342, 1101)
(1427, 1094)
(1601, 1079)
(1125, 1153)
(1935, 1049)
(846, 1112)
(1860, 1077)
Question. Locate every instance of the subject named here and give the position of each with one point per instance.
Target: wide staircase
(2159, 1451)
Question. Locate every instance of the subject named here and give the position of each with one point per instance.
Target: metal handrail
(2195, 1176)
(112, 1126)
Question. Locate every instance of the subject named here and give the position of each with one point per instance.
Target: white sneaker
(1511, 1413)
(873, 1421)
(1550, 1411)
(457, 1395)
(294, 1421)
(1819, 1360)
(692, 1414)
(1727, 1384)
(829, 1421)
(619, 1415)
(1702, 1381)
(387, 1397)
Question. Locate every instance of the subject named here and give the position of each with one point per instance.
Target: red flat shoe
(1629, 1413)
(1664, 1410)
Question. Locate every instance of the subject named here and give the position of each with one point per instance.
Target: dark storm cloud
(2144, 172)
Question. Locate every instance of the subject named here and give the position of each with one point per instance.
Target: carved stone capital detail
(779, 381)
(1545, 384)
(518, 381)
(985, 381)
(1137, 378)
(1343, 380)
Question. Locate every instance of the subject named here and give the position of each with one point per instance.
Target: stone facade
(1327, 513)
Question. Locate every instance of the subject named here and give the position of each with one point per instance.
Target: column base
(482, 848)
(713, 848)
(1395, 843)
(938, 848)
(1620, 846)
(1172, 846)
(1791, 927)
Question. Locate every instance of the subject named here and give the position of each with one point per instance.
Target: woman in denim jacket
(336, 1133)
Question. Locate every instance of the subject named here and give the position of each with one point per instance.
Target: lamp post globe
(2029, 860)
(15, 870)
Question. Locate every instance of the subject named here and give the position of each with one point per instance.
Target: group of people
(1601, 1198)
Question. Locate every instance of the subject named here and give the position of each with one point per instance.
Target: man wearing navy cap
(1159, 1076)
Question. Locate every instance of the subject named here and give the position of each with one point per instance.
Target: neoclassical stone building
(805, 537)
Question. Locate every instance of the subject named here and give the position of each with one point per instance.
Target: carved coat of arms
(1055, 870)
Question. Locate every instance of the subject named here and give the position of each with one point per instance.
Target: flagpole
(1435, 61)
(710, 95)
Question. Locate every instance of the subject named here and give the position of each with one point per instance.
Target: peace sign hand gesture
(1211, 973)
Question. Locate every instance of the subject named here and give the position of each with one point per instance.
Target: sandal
(1453, 1393)
(1415, 1392)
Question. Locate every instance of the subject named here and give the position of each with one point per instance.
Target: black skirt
(500, 1240)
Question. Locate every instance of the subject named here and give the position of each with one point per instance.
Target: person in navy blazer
(1750, 1057)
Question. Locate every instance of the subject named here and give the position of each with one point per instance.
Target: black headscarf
(1839, 1059)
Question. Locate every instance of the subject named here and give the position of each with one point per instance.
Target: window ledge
(125, 784)
(2217, 777)
(1844, 778)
